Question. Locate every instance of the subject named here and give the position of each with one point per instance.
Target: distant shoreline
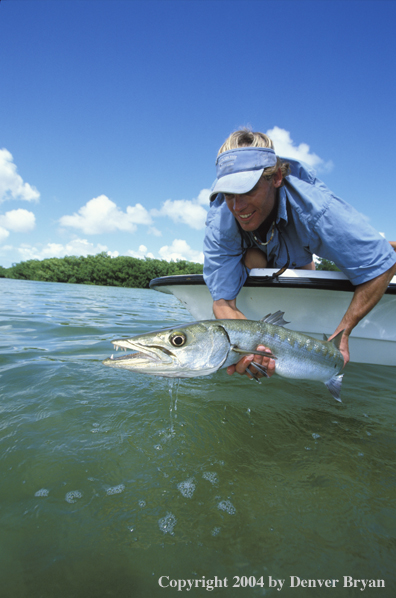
(99, 269)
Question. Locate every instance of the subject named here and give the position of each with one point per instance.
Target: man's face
(253, 208)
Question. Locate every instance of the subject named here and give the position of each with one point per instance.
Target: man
(266, 211)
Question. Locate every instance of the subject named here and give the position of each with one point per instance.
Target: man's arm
(365, 297)
(224, 309)
(227, 310)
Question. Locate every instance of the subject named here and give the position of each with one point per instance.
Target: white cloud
(154, 231)
(141, 253)
(180, 250)
(3, 234)
(101, 215)
(186, 211)
(284, 146)
(203, 197)
(11, 183)
(18, 221)
(75, 247)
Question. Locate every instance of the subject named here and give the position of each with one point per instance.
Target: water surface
(111, 480)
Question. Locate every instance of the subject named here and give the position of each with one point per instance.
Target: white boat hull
(313, 301)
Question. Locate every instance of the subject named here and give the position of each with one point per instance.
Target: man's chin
(247, 226)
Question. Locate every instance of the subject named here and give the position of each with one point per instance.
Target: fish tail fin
(334, 386)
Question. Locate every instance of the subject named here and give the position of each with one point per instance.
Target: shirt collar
(282, 207)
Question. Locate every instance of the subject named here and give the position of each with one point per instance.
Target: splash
(211, 476)
(115, 489)
(167, 523)
(173, 393)
(73, 494)
(227, 506)
(187, 488)
(42, 492)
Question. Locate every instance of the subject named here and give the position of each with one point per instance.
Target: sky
(112, 113)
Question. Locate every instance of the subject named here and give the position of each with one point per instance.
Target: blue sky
(112, 113)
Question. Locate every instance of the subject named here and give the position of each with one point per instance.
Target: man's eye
(228, 196)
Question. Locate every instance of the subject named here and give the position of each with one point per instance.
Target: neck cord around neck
(269, 240)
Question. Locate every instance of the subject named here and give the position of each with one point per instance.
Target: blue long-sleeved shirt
(310, 220)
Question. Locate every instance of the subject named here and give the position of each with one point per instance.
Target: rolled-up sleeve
(343, 235)
(224, 271)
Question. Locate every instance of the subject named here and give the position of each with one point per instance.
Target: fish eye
(178, 339)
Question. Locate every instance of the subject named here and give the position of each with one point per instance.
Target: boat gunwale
(300, 282)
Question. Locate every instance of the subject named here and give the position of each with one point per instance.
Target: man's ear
(277, 178)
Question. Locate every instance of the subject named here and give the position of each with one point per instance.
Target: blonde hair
(247, 138)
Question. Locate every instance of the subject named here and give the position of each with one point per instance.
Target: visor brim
(236, 183)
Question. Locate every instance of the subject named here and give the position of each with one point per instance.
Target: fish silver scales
(297, 355)
(201, 348)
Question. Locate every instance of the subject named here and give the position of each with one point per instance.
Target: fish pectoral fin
(334, 386)
(336, 340)
(261, 368)
(254, 352)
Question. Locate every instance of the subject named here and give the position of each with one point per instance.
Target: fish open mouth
(141, 355)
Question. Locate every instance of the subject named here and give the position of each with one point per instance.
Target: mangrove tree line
(100, 269)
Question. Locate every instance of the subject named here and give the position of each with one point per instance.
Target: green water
(112, 480)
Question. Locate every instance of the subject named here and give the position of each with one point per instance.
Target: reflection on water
(111, 480)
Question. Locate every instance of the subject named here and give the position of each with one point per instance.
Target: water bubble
(211, 476)
(115, 489)
(142, 503)
(167, 523)
(227, 506)
(70, 496)
(315, 436)
(216, 531)
(187, 488)
(42, 492)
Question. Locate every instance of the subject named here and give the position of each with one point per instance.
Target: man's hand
(244, 365)
(344, 346)
(365, 297)
(227, 309)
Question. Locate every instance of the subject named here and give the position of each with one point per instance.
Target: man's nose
(239, 203)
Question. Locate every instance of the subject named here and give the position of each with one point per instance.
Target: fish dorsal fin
(276, 319)
(325, 337)
(337, 339)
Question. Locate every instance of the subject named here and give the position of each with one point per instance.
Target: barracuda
(202, 348)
